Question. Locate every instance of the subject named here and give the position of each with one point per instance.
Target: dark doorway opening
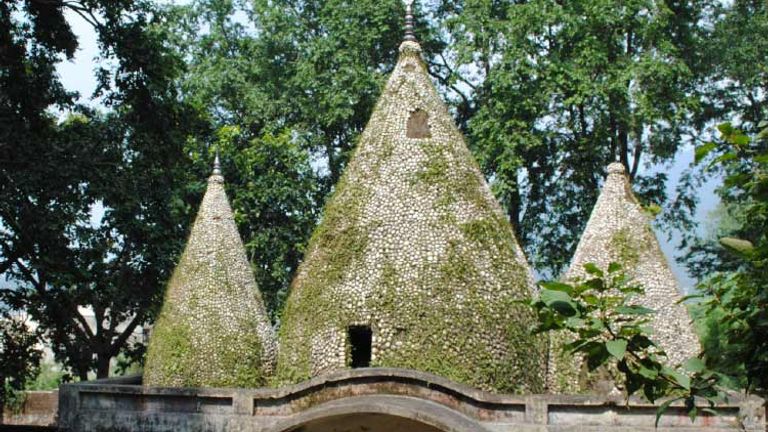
(360, 338)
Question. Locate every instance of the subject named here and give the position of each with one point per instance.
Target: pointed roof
(619, 231)
(414, 245)
(213, 330)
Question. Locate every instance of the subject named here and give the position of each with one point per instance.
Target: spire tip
(216, 164)
(409, 34)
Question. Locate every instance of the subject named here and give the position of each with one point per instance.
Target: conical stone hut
(619, 231)
(413, 264)
(213, 330)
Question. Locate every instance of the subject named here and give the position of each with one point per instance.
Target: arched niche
(378, 413)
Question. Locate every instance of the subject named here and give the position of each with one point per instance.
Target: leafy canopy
(607, 328)
(93, 206)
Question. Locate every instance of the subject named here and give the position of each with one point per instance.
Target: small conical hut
(413, 264)
(213, 330)
(619, 231)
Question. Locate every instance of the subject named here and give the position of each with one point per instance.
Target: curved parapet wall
(370, 398)
(213, 330)
(414, 247)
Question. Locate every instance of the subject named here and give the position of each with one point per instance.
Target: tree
(551, 92)
(736, 55)
(19, 356)
(287, 86)
(735, 88)
(737, 299)
(93, 208)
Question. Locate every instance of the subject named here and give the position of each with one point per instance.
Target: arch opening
(364, 422)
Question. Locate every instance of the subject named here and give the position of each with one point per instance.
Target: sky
(78, 75)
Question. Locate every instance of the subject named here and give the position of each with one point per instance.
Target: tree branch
(444, 81)
(125, 334)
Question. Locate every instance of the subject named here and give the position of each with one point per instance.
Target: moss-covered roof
(213, 330)
(619, 231)
(414, 245)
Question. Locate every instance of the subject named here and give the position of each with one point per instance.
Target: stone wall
(374, 398)
(37, 412)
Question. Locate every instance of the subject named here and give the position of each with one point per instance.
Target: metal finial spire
(216, 164)
(409, 35)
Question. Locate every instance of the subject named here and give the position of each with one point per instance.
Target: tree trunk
(333, 165)
(513, 210)
(102, 366)
(82, 373)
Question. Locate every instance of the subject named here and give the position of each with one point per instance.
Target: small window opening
(418, 125)
(360, 342)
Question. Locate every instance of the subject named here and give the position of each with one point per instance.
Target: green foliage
(604, 325)
(50, 377)
(735, 300)
(287, 87)
(560, 89)
(738, 75)
(19, 358)
(93, 207)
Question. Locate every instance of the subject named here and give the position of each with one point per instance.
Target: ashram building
(404, 314)
(413, 264)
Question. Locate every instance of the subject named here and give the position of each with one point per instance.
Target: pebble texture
(619, 231)
(213, 330)
(414, 245)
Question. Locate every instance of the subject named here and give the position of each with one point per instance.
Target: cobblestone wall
(213, 330)
(619, 231)
(414, 245)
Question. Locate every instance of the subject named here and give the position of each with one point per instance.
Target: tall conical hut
(619, 231)
(213, 329)
(413, 264)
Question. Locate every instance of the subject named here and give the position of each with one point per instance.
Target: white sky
(78, 75)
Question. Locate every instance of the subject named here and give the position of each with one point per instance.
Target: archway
(364, 422)
(379, 413)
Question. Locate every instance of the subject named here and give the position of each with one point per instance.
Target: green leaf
(590, 299)
(725, 128)
(694, 364)
(597, 356)
(557, 286)
(690, 405)
(614, 267)
(723, 158)
(703, 150)
(662, 409)
(593, 270)
(648, 373)
(574, 322)
(740, 140)
(634, 310)
(738, 246)
(559, 301)
(682, 380)
(617, 348)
